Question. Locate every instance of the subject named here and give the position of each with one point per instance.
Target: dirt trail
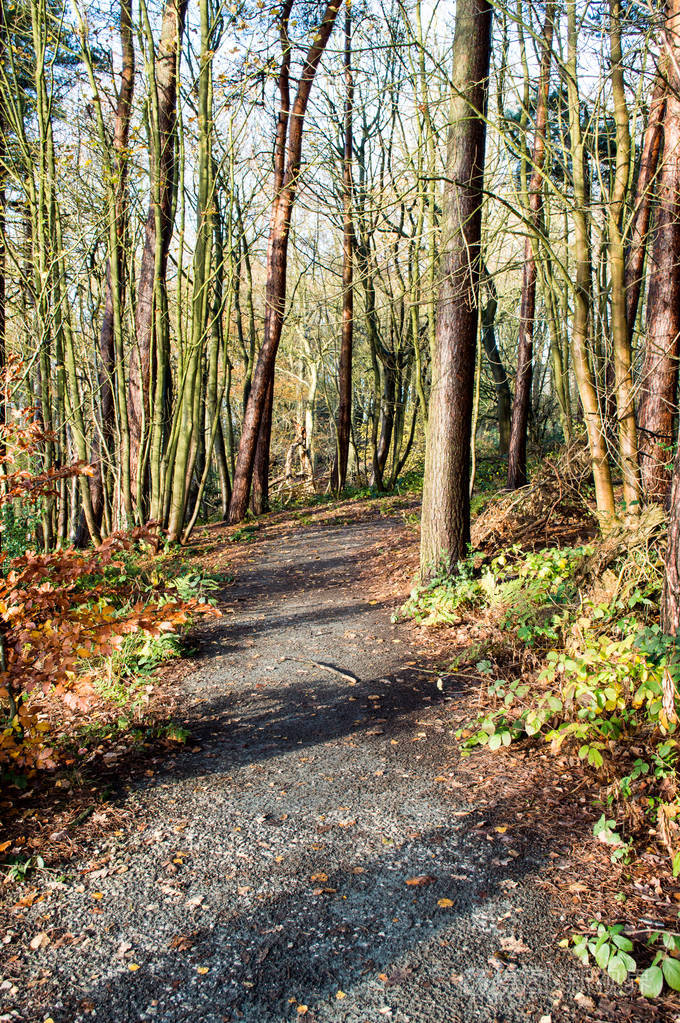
(270, 870)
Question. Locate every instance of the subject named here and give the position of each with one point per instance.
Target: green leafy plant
(609, 947)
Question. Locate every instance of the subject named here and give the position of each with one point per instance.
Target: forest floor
(318, 850)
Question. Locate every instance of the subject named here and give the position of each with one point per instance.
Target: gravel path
(267, 876)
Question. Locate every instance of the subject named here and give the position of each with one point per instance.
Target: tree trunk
(163, 68)
(500, 377)
(644, 192)
(344, 426)
(517, 450)
(285, 189)
(260, 489)
(580, 333)
(621, 337)
(446, 498)
(660, 367)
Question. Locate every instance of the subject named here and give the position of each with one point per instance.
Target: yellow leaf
(502, 830)
(445, 903)
(302, 1010)
(97, 895)
(132, 967)
(340, 994)
(201, 969)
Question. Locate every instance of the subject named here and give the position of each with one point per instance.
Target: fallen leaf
(182, 942)
(340, 994)
(514, 945)
(445, 903)
(133, 966)
(202, 970)
(422, 879)
(40, 941)
(302, 1010)
(502, 830)
(319, 877)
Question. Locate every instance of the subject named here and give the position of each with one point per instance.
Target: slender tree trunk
(621, 337)
(500, 377)
(290, 128)
(151, 309)
(111, 370)
(517, 449)
(644, 193)
(446, 499)
(580, 333)
(344, 425)
(190, 441)
(3, 266)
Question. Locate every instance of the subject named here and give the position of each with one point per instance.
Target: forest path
(269, 871)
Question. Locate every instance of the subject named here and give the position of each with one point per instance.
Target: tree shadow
(361, 931)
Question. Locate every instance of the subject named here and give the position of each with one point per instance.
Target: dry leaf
(41, 940)
(445, 903)
(514, 945)
(422, 879)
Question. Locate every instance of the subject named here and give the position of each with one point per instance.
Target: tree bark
(517, 450)
(158, 232)
(621, 337)
(657, 410)
(644, 193)
(580, 333)
(446, 500)
(498, 372)
(290, 128)
(344, 425)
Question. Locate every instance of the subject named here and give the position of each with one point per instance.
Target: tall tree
(344, 424)
(517, 451)
(145, 409)
(656, 416)
(446, 500)
(621, 335)
(287, 160)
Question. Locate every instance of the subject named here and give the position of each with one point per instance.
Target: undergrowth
(586, 672)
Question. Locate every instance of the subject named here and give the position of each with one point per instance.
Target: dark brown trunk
(446, 500)
(277, 252)
(259, 502)
(644, 192)
(3, 260)
(344, 426)
(107, 354)
(660, 368)
(517, 451)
